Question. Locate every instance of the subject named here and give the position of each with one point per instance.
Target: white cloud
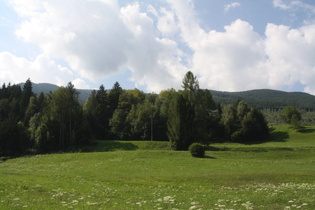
(293, 5)
(98, 38)
(95, 39)
(18, 69)
(241, 59)
(80, 84)
(153, 61)
(291, 55)
(227, 7)
(280, 4)
(231, 60)
(167, 23)
(91, 38)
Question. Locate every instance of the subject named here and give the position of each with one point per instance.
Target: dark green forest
(59, 120)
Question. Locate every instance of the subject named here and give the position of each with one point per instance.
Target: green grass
(147, 175)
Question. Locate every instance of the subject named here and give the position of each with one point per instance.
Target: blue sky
(230, 45)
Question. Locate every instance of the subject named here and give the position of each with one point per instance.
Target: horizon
(47, 83)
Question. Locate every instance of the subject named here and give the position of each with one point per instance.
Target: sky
(150, 45)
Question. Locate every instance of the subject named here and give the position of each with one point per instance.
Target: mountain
(47, 88)
(266, 98)
(263, 98)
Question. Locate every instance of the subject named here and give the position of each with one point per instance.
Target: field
(147, 175)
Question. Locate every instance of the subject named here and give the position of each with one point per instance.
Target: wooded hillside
(263, 98)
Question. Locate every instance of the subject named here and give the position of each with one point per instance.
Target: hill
(262, 98)
(46, 88)
(266, 98)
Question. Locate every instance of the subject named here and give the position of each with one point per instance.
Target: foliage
(244, 124)
(190, 86)
(197, 150)
(273, 117)
(292, 116)
(180, 123)
(57, 120)
(191, 115)
(120, 123)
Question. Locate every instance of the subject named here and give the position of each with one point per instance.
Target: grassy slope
(269, 175)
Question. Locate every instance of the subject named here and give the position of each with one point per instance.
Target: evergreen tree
(190, 86)
(113, 98)
(26, 95)
(180, 123)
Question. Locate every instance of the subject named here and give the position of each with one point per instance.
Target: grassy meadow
(279, 174)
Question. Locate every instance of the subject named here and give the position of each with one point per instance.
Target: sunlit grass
(274, 175)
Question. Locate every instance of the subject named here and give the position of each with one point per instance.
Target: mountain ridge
(260, 98)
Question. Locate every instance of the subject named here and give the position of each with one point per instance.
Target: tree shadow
(209, 157)
(108, 146)
(277, 136)
(306, 130)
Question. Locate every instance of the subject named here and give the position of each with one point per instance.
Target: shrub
(197, 150)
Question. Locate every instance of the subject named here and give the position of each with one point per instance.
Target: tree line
(57, 121)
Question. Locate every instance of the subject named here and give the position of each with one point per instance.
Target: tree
(180, 123)
(292, 116)
(162, 104)
(205, 116)
(113, 98)
(228, 119)
(26, 95)
(118, 124)
(31, 109)
(244, 124)
(91, 113)
(64, 112)
(190, 86)
(139, 119)
(128, 100)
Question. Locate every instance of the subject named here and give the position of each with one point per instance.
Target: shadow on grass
(209, 157)
(277, 136)
(306, 130)
(107, 146)
(259, 149)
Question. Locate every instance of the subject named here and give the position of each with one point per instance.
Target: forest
(56, 121)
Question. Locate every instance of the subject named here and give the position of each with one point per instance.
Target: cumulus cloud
(18, 69)
(154, 61)
(232, 59)
(291, 58)
(227, 7)
(98, 38)
(80, 84)
(241, 59)
(89, 36)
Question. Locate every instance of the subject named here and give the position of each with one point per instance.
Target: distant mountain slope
(43, 87)
(46, 88)
(264, 98)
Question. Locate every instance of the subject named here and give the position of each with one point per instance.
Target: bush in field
(197, 150)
